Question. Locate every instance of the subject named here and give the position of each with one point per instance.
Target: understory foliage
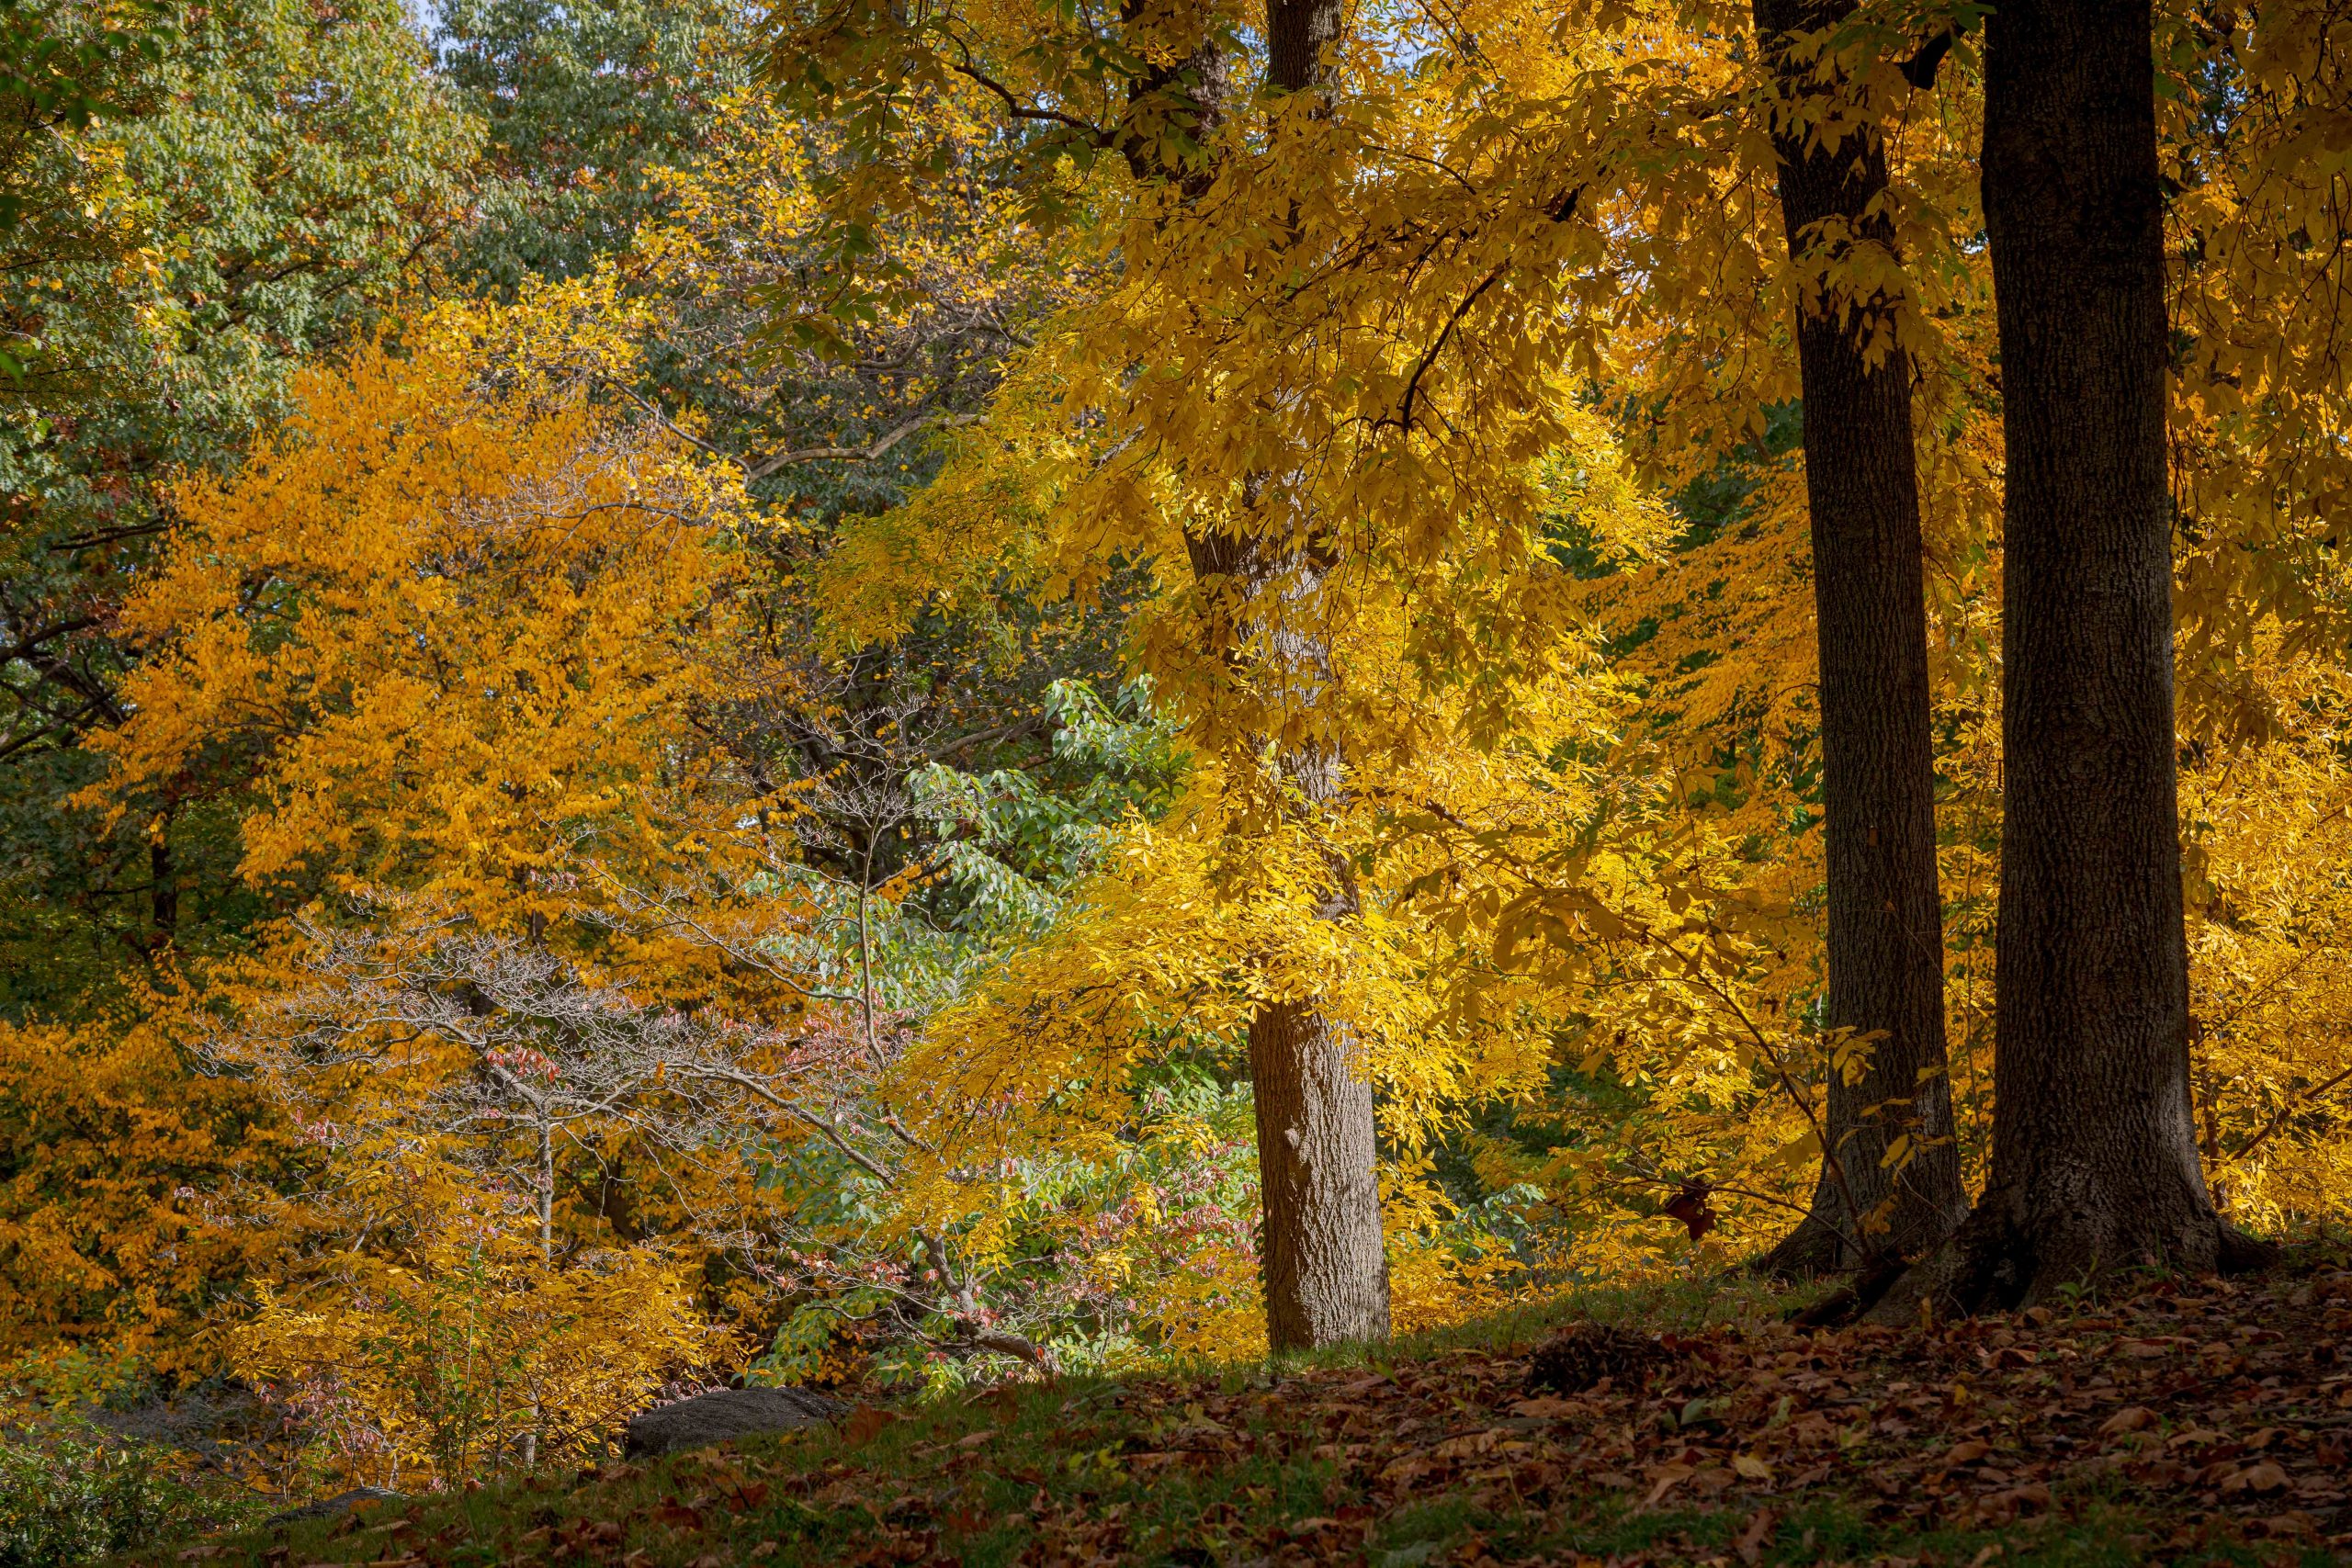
(640, 780)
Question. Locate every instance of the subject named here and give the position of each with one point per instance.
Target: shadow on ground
(2187, 1422)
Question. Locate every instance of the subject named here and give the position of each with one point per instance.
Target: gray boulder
(725, 1415)
(330, 1508)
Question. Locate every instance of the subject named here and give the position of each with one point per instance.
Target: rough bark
(1885, 916)
(2095, 1162)
(1298, 32)
(1324, 1259)
(1325, 1262)
(1323, 1253)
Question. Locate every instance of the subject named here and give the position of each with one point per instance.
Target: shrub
(66, 1499)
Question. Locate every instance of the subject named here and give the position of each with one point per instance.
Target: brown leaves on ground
(1584, 1355)
(2205, 1412)
(2197, 1400)
(2204, 1403)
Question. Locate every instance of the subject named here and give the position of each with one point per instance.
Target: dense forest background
(693, 693)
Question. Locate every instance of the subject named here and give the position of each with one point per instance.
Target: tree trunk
(164, 897)
(1325, 1263)
(2095, 1162)
(1885, 917)
(1324, 1255)
(1323, 1252)
(1324, 1259)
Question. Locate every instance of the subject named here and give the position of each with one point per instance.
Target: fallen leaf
(2131, 1418)
(1410, 1468)
(2261, 1479)
(859, 1426)
(1968, 1452)
(1663, 1478)
(1544, 1407)
(1751, 1467)
(1751, 1544)
(1467, 1446)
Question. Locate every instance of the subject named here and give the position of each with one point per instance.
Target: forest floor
(2181, 1423)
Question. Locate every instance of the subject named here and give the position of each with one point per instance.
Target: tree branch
(2285, 1111)
(859, 453)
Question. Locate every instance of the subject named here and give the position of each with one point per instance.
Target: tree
(1324, 1252)
(1322, 1248)
(2095, 1159)
(293, 166)
(1884, 935)
(1324, 425)
(584, 106)
(1258, 561)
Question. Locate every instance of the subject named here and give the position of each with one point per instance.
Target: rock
(1584, 1353)
(724, 1415)
(328, 1507)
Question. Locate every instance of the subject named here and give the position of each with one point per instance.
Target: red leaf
(1689, 1205)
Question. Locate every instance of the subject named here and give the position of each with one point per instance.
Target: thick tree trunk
(1885, 917)
(1323, 1251)
(2095, 1162)
(1324, 1259)
(1324, 1254)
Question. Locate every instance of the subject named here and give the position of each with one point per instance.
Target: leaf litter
(2193, 1420)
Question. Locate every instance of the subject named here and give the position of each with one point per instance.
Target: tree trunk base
(1824, 1243)
(2006, 1258)
(1813, 1251)
(1325, 1254)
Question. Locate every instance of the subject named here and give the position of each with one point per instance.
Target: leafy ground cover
(2189, 1422)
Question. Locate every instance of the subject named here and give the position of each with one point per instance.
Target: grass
(1414, 1453)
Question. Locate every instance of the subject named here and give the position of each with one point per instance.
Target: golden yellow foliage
(477, 1357)
(443, 638)
(137, 1193)
(442, 635)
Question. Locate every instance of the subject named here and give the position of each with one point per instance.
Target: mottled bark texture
(2095, 1162)
(1324, 1257)
(1299, 35)
(1325, 1261)
(1885, 917)
(1323, 1254)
